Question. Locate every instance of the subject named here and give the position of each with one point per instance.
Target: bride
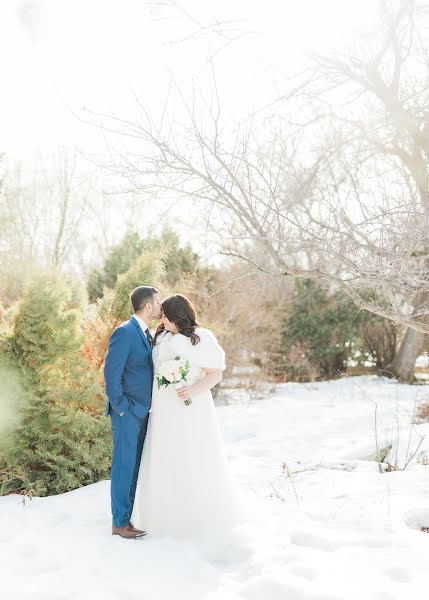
(184, 486)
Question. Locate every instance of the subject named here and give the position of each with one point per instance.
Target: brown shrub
(422, 413)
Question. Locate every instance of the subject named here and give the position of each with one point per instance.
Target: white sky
(59, 56)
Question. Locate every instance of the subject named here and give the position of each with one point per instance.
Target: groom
(128, 373)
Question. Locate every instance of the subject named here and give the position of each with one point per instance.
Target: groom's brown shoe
(138, 530)
(128, 532)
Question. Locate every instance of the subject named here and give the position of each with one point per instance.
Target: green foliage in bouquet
(59, 439)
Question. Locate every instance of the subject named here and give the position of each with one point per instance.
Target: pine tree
(147, 269)
(179, 261)
(62, 440)
(115, 306)
(118, 260)
(319, 334)
(323, 330)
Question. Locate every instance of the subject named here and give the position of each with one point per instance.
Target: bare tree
(379, 151)
(338, 195)
(42, 212)
(69, 199)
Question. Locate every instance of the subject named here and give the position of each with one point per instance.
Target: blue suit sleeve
(117, 355)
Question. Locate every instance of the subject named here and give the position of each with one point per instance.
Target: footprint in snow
(399, 574)
(264, 587)
(305, 572)
(418, 518)
(309, 540)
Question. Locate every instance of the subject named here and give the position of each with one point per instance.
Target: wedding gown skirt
(184, 486)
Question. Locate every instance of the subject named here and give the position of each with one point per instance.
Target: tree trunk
(405, 359)
(411, 347)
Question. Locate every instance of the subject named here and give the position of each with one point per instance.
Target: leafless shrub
(379, 341)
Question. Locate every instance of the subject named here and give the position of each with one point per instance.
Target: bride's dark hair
(179, 310)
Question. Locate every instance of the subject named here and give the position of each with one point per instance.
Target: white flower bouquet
(173, 372)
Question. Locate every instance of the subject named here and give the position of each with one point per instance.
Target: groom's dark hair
(141, 295)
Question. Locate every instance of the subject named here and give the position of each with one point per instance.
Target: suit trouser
(128, 434)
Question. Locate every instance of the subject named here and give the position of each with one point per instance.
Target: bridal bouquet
(173, 372)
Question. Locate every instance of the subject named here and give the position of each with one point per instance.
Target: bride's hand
(183, 393)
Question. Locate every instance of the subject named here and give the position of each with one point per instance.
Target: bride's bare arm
(211, 378)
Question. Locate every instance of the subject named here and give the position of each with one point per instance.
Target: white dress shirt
(142, 323)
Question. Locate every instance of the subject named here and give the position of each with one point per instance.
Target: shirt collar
(142, 323)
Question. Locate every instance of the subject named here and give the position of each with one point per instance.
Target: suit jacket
(128, 370)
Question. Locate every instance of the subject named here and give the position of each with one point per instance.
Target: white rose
(171, 370)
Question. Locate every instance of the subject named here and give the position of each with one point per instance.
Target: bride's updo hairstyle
(180, 311)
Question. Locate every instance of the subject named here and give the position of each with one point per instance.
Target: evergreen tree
(179, 261)
(62, 440)
(118, 260)
(115, 306)
(324, 330)
(147, 269)
(320, 332)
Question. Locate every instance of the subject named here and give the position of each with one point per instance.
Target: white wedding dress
(184, 487)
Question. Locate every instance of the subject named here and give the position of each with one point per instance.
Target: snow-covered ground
(322, 522)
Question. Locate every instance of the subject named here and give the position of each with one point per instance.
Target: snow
(322, 522)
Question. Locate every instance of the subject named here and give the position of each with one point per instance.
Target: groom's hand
(183, 393)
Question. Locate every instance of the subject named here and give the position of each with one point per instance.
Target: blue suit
(128, 373)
